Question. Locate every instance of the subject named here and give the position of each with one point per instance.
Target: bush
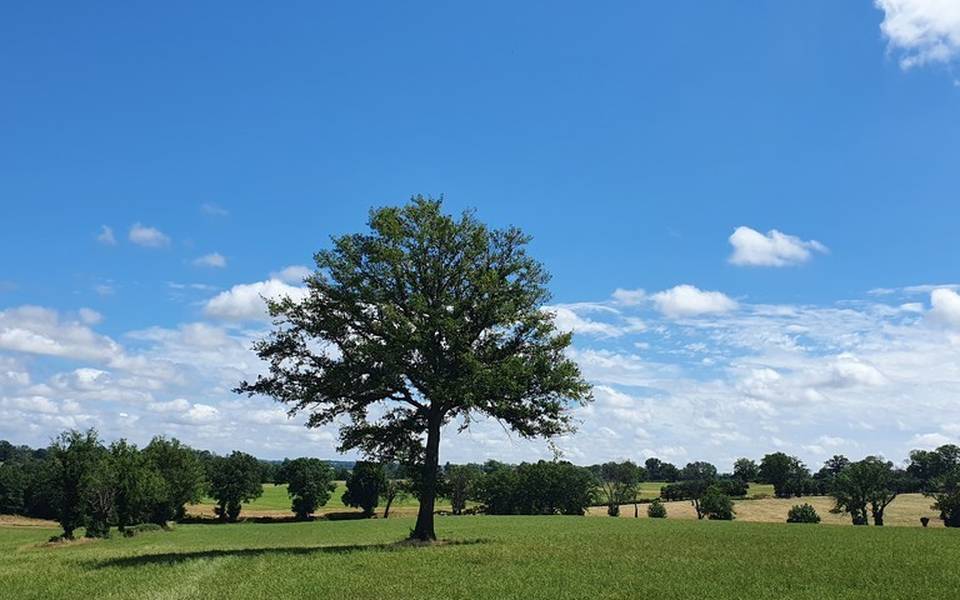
(657, 510)
(803, 513)
(716, 505)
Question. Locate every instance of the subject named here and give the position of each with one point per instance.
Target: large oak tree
(424, 320)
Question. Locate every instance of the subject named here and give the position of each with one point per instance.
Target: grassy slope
(518, 557)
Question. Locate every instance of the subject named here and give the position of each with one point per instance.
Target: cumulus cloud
(38, 330)
(245, 302)
(922, 31)
(773, 249)
(213, 260)
(149, 237)
(689, 301)
(946, 307)
(293, 274)
(106, 236)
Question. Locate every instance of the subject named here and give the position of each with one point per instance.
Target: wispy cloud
(214, 260)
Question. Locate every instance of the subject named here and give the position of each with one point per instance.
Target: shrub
(657, 510)
(803, 513)
(716, 505)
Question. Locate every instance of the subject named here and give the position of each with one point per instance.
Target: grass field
(275, 502)
(493, 557)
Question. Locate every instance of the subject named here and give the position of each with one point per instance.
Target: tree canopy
(425, 319)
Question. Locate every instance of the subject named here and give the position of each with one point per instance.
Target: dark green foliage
(234, 479)
(787, 474)
(182, 478)
(656, 509)
(432, 319)
(139, 485)
(99, 496)
(364, 486)
(460, 484)
(926, 466)
(945, 489)
(13, 487)
(393, 489)
(871, 483)
(541, 488)
(309, 484)
(716, 505)
(746, 470)
(618, 484)
(698, 471)
(75, 459)
(802, 513)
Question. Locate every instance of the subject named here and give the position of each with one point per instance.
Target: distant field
(276, 502)
(906, 510)
(497, 558)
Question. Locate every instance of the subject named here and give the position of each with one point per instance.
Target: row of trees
(82, 482)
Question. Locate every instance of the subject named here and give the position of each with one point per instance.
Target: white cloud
(294, 274)
(89, 316)
(214, 260)
(106, 236)
(149, 237)
(214, 210)
(629, 297)
(689, 301)
(567, 319)
(38, 330)
(924, 31)
(775, 249)
(245, 301)
(946, 307)
(178, 405)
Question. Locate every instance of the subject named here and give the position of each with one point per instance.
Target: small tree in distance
(618, 484)
(364, 486)
(182, 479)
(716, 505)
(234, 480)
(309, 485)
(460, 484)
(746, 470)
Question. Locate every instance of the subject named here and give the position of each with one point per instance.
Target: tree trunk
(386, 509)
(424, 530)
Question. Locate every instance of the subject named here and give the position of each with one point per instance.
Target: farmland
(488, 557)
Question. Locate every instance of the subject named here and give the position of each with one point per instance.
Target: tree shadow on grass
(173, 558)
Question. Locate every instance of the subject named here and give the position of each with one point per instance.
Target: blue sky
(162, 165)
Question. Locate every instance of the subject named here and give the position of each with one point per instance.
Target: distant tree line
(83, 483)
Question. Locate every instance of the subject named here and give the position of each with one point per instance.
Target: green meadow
(488, 557)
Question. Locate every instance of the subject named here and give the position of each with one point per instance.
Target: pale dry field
(905, 511)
